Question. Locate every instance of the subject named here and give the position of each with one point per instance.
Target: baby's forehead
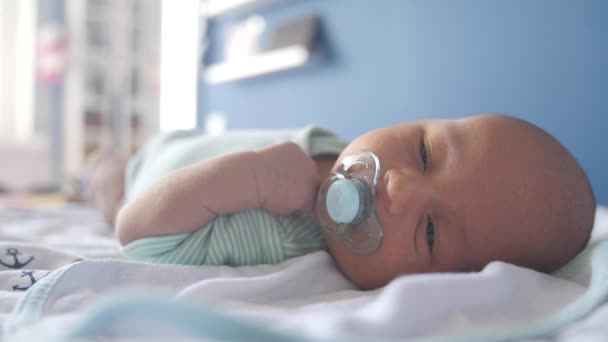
(503, 136)
(496, 164)
(500, 125)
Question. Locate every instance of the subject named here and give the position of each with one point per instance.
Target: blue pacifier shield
(343, 201)
(345, 204)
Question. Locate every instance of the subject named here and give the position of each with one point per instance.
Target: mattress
(63, 277)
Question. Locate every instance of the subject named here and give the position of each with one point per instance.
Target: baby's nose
(406, 190)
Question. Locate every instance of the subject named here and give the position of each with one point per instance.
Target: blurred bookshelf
(112, 85)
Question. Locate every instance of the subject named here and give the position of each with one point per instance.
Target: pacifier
(346, 203)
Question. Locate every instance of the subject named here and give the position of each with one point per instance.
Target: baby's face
(444, 198)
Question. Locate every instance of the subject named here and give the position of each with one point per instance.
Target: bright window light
(24, 69)
(178, 64)
(17, 56)
(3, 111)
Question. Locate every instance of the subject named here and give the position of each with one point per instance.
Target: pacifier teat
(346, 203)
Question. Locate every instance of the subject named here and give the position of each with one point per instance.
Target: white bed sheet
(34, 242)
(306, 296)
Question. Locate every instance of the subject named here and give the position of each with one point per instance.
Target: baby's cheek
(352, 266)
(374, 270)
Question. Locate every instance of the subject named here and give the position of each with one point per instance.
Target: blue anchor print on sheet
(32, 279)
(16, 263)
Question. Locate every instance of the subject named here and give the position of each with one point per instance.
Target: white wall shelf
(217, 8)
(286, 58)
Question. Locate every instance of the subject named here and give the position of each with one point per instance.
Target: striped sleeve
(247, 237)
(300, 235)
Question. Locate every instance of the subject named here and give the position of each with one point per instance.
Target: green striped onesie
(247, 237)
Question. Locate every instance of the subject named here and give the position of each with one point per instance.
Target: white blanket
(304, 298)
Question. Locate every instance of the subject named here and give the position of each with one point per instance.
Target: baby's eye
(423, 154)
(430, 234)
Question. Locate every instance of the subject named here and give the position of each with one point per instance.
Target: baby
(451, 196)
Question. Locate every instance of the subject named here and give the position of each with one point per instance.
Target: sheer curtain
(24, 146)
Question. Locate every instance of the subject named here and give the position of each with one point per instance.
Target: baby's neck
(325, 164)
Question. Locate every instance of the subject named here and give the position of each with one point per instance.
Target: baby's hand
(287, 179)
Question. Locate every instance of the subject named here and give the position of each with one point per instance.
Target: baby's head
(454, 195)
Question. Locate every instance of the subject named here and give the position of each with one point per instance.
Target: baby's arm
(280, 178)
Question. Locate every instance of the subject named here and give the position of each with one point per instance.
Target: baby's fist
(287, 179)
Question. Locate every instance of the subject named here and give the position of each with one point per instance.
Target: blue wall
(390, 61)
